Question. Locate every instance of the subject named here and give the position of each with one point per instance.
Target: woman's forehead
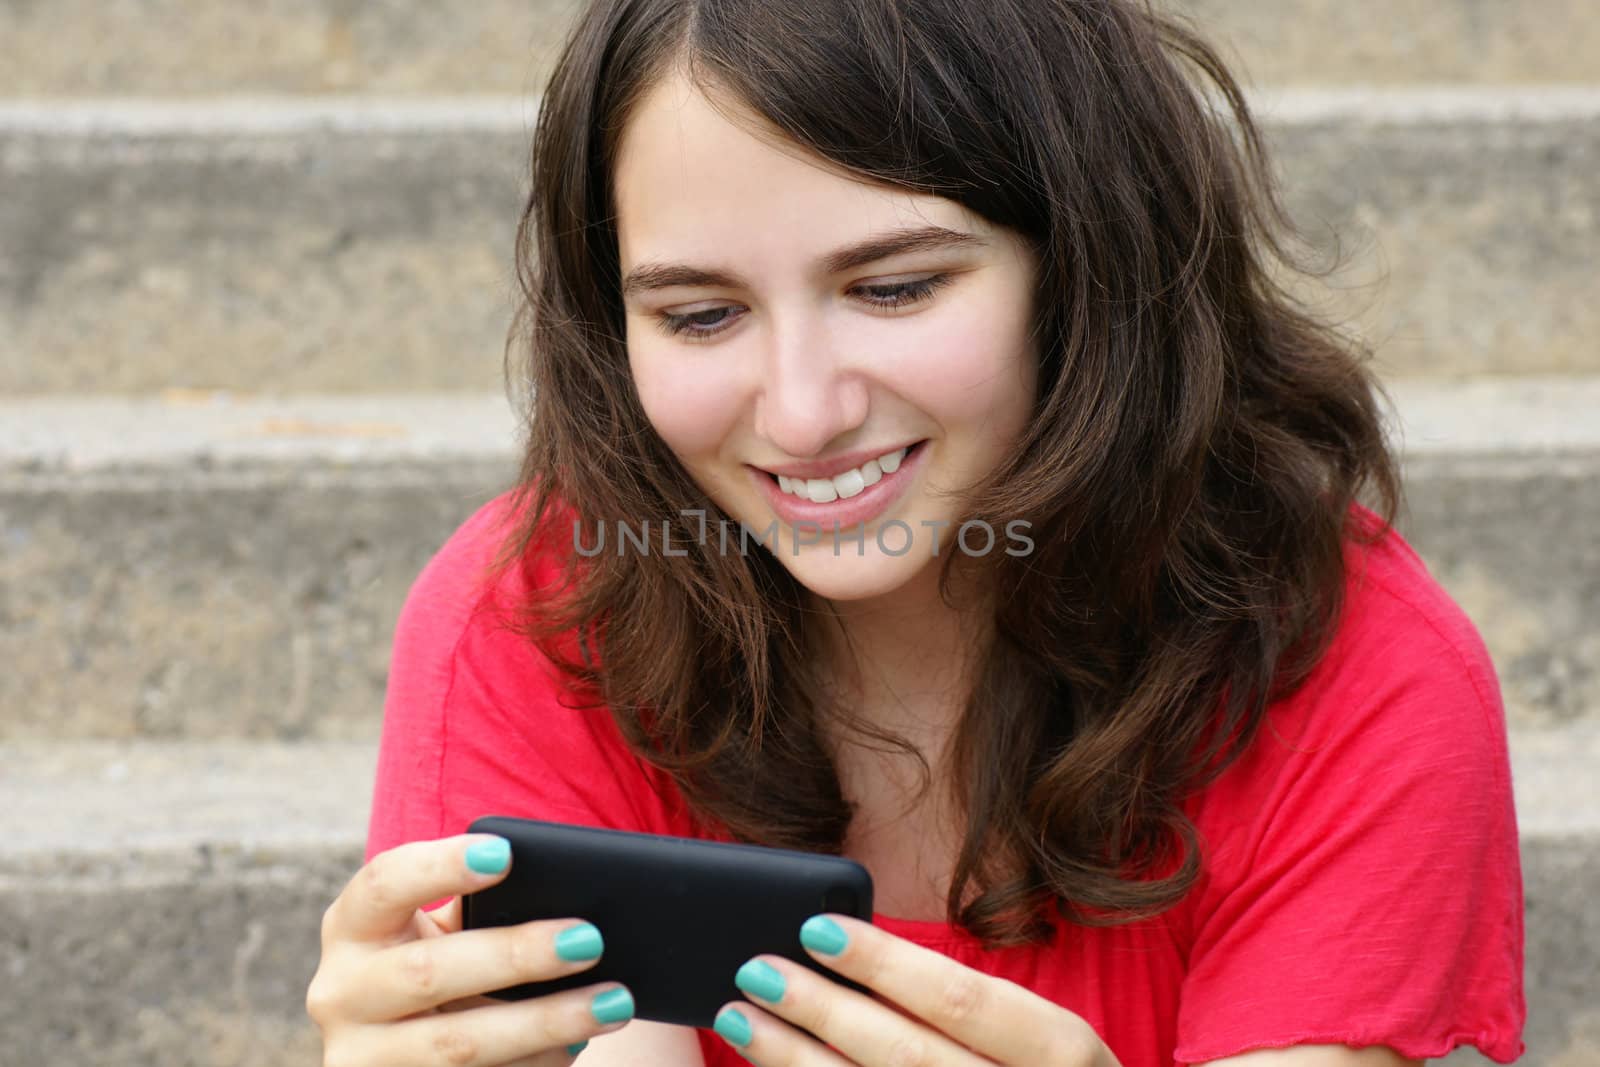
(690, 181)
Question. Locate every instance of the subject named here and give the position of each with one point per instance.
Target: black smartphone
(678, 915)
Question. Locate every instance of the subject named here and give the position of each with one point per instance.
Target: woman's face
(795, 358)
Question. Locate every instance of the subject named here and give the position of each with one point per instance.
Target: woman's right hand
(398, 986)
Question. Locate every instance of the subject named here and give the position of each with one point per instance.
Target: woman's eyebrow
(648, 276)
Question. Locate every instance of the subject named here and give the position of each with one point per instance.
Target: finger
(438, 922)
(413, 977)
(540, 1029)
(380, 901)
(769, 1041)
(858, 1027)
(992, 1016)
(445, 919)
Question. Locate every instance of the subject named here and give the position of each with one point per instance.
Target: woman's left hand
(938, 1012)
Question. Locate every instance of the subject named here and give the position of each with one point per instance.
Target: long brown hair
(1199, 438)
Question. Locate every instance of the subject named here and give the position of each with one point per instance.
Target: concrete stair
(255, 276)
(408, 47)
(325, 244)
(253, 553)
(250, 558)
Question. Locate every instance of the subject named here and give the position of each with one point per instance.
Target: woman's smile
(857, 494)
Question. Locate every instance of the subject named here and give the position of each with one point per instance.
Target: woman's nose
(808, 396)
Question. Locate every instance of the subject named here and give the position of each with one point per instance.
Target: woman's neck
(905, 661)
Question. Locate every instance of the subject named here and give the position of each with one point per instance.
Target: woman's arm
(644, 1044)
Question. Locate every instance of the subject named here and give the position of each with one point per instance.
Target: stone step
(354, 245)
(226, 568)
(161, 902)
(293, 246)
(167, 47)
(209, 566)
(1373, 42)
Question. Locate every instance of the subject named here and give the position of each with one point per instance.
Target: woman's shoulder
(479, 720)
(1399, 623)
(468, 600)
(1404, 657)
(1404, 685)
(467, 570)
(1360, 859)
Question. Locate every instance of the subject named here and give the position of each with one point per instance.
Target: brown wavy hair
(1199, 439)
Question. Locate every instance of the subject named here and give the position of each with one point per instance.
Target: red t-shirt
(1362, 882)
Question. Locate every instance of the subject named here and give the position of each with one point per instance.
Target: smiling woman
(807, 373)
(1051, 598)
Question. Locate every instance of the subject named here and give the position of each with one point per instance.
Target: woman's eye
(698, 325)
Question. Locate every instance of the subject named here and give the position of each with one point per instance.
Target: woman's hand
(938, 1012)
(399, 986)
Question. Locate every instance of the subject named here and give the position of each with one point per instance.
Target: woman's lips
(862, 508)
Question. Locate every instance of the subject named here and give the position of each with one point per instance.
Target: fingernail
(612, 1006)
(490, 856)
(581, 942)
(760, 979)
(732, 1025)
(573, 1050)
(821, 934)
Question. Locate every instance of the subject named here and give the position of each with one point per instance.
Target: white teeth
(844, 485)
(821, 490)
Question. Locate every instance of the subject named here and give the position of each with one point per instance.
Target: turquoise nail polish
(821, 934)
(760, 979)
(581, 942)
(489, 857)
(612, 1006)
(573, 1050)
(732, 1025)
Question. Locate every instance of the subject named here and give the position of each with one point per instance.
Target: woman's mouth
(845, 484)
(848, 497)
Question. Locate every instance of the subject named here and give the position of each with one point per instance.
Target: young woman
(925, 466)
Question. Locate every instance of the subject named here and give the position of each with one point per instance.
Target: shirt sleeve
(478, 722)
(1364, 884)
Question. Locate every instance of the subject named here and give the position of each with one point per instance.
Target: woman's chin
(847, 576)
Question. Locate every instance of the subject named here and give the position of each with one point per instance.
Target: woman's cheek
(970, 368)
(691, 401)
